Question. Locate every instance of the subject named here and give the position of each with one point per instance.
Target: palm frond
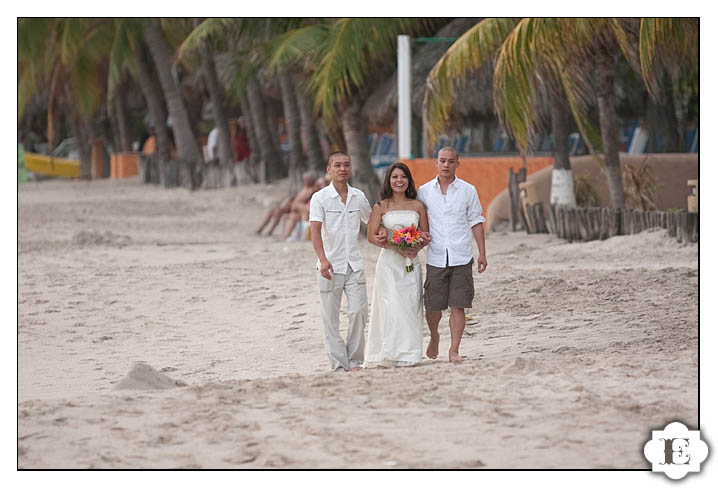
(207, 29)
(548, 51)
(626, 31)
(73, 30)
(240, 67)
(473, 49)
(297, 45)
(667, 44)
(26, 88)
(516, 85)
(353, 47)
(119, 52)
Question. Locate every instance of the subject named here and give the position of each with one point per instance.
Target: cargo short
(449, 287)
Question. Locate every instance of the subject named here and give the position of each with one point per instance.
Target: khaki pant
(353, 284)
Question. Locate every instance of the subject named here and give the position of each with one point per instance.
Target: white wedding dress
(395, 323)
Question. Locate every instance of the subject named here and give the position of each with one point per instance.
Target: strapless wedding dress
(395, 323)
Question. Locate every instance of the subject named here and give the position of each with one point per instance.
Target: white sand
(574, 352)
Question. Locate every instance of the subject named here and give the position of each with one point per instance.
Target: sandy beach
(570, 347)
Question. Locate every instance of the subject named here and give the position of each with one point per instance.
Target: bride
(395, 324)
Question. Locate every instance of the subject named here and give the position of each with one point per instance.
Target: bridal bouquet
(407, 237)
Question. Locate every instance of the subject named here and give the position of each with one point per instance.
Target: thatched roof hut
(475, 95)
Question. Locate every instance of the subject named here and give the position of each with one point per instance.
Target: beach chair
(638, 142)
(546, 144)
(301, 232)
(575, 144)
(691, 140)
(373, 143)
(500, 143)
(459, 142)
(443, 141)
(626, 133)
(385, 155)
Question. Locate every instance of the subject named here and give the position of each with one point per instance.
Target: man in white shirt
(454, 218)
(335, 213)
(213, 144)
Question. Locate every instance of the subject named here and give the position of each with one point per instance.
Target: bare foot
(432, 351)
(353, 369)
(454, 357)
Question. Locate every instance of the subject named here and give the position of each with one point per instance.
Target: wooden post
(691, 232)
(606, 224)
(672, 224)
(552, 219)
(521, 178)
(693, 196)
(513, 188)
(680, 225)
(541, 218)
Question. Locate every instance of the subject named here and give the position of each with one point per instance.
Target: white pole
(404, 95)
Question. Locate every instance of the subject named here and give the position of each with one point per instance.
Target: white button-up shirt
(451, 218)
(340, 225)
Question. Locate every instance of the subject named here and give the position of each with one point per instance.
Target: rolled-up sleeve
(474, 210)
(316, 209)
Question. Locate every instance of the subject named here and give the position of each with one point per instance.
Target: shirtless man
(299, 208)
(275, 215)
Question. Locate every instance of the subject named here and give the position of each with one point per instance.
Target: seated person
(299, 208)
(275, 215)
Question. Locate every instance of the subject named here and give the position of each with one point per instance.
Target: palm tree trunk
(609, 127)
(310, 135)
(122, 125)
(112, 116)
(187, 147)
(671, 134)
(271, 159)
(81, 129)
(297, 163)
(562, 191)
(356, 133)
(254, 161)
(216, 95)
(155, 103)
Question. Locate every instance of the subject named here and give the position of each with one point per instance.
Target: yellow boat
(51, 165)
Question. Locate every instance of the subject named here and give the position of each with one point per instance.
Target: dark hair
(386, 191)
(329, 159)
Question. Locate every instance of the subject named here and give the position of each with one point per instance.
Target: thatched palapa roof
(475, 96)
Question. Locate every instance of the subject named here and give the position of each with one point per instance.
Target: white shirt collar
(334, 193)
(436, 181)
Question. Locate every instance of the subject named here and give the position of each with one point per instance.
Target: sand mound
(95, 238)
(145, 377)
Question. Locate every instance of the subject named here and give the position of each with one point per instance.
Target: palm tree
(476, 47)
(669, 66)
(217, 97)
(347, 57)
(129, 54)
(308, 128)
(152, 92)
(63, 56)
(297, 161)
(163, 57)
(571, 50)
(202, 40)
(256, 35)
